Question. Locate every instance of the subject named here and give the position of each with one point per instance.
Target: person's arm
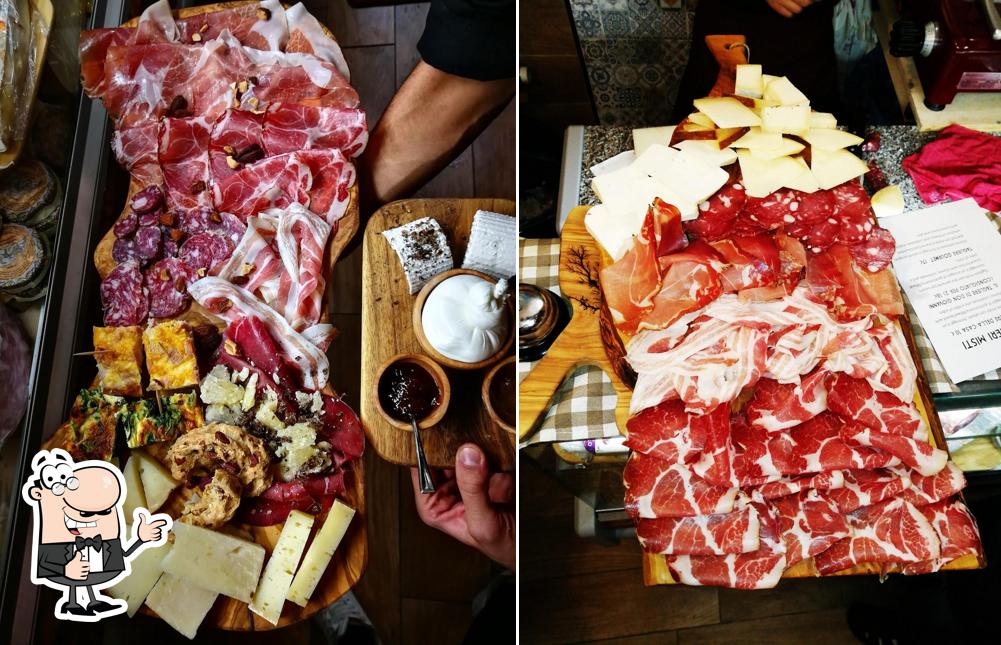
(789, 8)
(431, 120)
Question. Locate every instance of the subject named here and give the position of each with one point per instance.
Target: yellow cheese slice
(709, 151)
(643, 138)
(215, 561)
(822, 120)
(320, 551)
(833, 167)
(274, 585)
(888, 201)
(748, 82)
(805, 181)
(156, 480)
(788, 147)
(757, 138)
(727, 112)
(145, 571)
(830, 139)
(701, 119)
(134, 497)
(761, 177)
(785, 93)
(180, 604)
(787, 119)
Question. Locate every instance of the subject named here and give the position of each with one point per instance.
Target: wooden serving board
(351, 557)
(387, 330)
(591, 338)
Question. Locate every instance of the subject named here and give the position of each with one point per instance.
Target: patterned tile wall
(635, 52)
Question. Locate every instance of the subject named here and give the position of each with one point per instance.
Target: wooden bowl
(436, 372)
(434, 353)
(485, 393)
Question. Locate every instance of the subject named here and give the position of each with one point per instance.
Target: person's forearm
(429, 122)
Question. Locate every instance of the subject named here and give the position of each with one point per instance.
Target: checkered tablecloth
(584, 404)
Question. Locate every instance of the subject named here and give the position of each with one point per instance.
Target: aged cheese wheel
(22, 257)
(24, 189)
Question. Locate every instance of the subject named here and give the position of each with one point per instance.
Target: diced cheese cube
(134, 497)
(805, 181)
(180, 604)
(702, 120)
(709, 151)
(727, 112)
(748, 82)
(888, 201)
(828, 139)
(783, 91)
(643, 138)
(215, 561)
(274, 585)
(822, 120)
(762, 177)
(612, 231)
(157, 482)
(833, 167)
(320, 551)
(788, 147)
(756, 138)
(145, 571)
(788, 119)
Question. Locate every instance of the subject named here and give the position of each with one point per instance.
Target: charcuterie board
(387, 330)
(591, 338)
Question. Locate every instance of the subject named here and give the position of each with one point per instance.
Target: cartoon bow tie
(94, 543)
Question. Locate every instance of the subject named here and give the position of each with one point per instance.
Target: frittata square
(92, 424)
(170, 356)
(119, 355)
(148, 421)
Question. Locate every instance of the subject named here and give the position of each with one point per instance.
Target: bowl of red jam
(411, 385)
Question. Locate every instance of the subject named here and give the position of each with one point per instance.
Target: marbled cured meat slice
(122, 296)
(148, 241)
(867, 487)
(333, 177)
(205, 252)
(307, 36)
(260, 26)
(919, 455)
(809, 525)
(291, 127)
(855, 399)
(630, 283)
(255, 264)
(295, 78)
(834, 276)
(717, 214)
(814, 207)
(274, 182)
(792, 259)
(817, 236)
(776, 406)
(664, 431)
(793, 351)
(759, 569)
(928, 490)
(657, 488)
(94, 45)
(184, 159)
(231, 303)
(686, 286)
(167, 284)
(753, 262)
(135, 148)
(715, 463)
(125, 249)
(236, 135)
(876, 252)
(787, 486)
(126, 225)
(957, 534)
(900, 376)
(736, 532)
(853, 212)
(893, 531)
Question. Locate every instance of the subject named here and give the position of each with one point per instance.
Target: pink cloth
(961, 163)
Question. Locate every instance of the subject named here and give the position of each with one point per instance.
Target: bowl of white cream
(464, 319)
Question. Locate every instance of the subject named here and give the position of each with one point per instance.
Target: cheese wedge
(805, 181)
(833, 167)
(701, 119)
(693, 178)
(612, 231)
(320, 552)
(180, 604)
(643, 138)
(274, 585)
(709, 151)
(156, 480)
(822, 120)
(830, 139)
(757, 138)
(787, 119)
(761, 177)
(785, 93)
(748, 81)
(888, 201)
(215, 561)
(788, 147)
(146, 570)
(134, 497)
(727, 112)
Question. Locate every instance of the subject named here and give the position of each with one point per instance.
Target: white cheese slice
(643, 138)
(757, 138)
(822, 120)
(215, 561)
(767, 79)
(788, 147)
(180, 604)
(156, 480)
(830, 139)
(611, 164)
(727, 112)
(320, 551)
(693, 178)
(274, 585)
(701, 119)
(709, 151)
(888, 201)
(492, 246)
(761, 177)
(134, 497)
(612, 231)
(748, 81)
(833, 167)
(788, 119)
(805, 181)
(628, 191)
(145, 571)
(782, 90)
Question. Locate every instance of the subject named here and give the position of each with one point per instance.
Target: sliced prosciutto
(136, 150)
(289, 127)
(657, 488)
(809, 524)
(778, 406)
(302, 239)
(853, 291)
(736, 532)
(183, 155)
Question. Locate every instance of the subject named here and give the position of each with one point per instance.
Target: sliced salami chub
(122, 296)
(205, 252)
(775, 210)
(125, 250)
(207, 220)
(147, 200)
(151, 218)
(717, 214)
(127, 225)
(167, 285)
(853, 212)
(815, 207)
(816, 236)
(875, 253)
(148, 242)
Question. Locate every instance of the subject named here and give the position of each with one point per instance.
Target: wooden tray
(41, 43)
(351, 557)
(591, 338)
(387, 330)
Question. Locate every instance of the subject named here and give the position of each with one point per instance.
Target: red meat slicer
(956, 46)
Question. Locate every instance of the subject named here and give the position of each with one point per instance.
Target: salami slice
(170, 245)
(125, 250)
(167, 284)
(127, 225)
(151, 218)
(147, 200)
(122, 296)
(815, 207)
(815, 236)
(875, 253)
(853, 211)
(205, 252)
(775, 210)
(717, 214)
(207, 220)
(148, 242)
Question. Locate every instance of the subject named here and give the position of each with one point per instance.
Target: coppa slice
(957, 534)
(855, 399)
(663, 431)
(777, 406)
(810, 524)
(928, 490)
(867, 487)
(656, 488)
(735, 532)
(919, 455)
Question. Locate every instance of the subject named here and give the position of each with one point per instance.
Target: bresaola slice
(736, 532)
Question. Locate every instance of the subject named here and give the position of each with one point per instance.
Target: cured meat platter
(240, 437)
(387, 305)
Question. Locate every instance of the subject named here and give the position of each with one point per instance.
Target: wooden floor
(419, 583)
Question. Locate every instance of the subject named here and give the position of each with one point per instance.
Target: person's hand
(77, 568)
(472, 505)
(789, 8)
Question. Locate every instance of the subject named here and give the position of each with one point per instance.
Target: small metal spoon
(423, 470)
